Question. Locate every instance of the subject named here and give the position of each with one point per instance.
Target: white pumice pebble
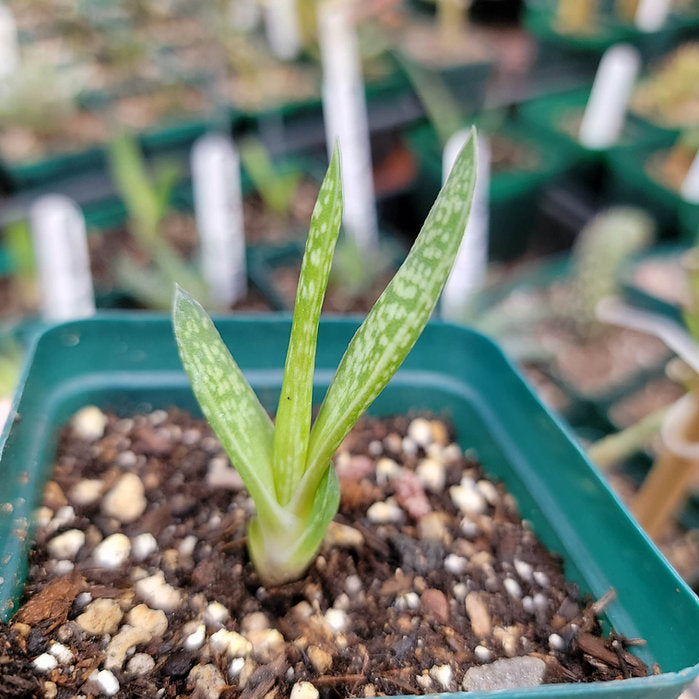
(107, 682)
(384, 513)
(541, 578)
(456, 565)
(528, 604)
(62, 567)
(304, 690)
(540, 602)
(64, 515)
(432, 474)
(142, 546)
(342, 601)
(469, 528)
(337, 620)
(45, 663)
(236, 666)
(140, 664)
(556, 642)
(451, 453)
(488, 491)
(83, 599)
(420, 431)
(513, 588)
(42, 516)
(221, 474)
(424, 682)
(230, 642)
(460, 590)
(89, 423)
(523, 569)
(468, 500)
(353, 585)
(375, 448)
(442, 675)
(483, 655)
(157, 417)
(386, 470)
(62, 653)
(127, 459)
(86, 492)
(113, 552)
(186, 548)
(409, 446)
(126, 500)
(196, 639)
(215, 614)
(157, 593)
(67, 544)
(408, 600)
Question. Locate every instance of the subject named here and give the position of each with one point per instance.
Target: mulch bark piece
(403, 608)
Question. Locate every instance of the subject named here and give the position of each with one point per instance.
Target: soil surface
(428, 580)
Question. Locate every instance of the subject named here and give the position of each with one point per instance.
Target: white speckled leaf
(396, 321)
(226, 399)
(293, 422)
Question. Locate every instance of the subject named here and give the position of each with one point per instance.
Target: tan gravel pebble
(153, 621)
(101, 616)
(207, 681)
(126, 501)
(478, 614)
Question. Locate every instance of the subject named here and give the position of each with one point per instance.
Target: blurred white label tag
(282, 28)
(471, 262)
(62, 258)
(9, 44)
(218, 209)
(605, 112)
(345, 116)
(690, 186)
(651, 14)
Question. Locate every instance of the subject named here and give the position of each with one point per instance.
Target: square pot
(129, 363)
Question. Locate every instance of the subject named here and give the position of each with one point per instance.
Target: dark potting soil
(427, 576)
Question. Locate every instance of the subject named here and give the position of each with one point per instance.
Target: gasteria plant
(287, 467)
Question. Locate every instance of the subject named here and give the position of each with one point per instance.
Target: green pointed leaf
(227, 400)
(293, 421)
(396, 321)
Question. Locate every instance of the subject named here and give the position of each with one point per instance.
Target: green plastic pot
(129, 363)
(554, 113)
(513, 195)
(630, 182)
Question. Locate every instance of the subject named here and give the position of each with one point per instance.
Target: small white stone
(469, 528)
(540, 602)
(456, 565)
(541, 578)
(524, 570)
(353, 585)
(337, 620)
(409, 446)
(45, 662)
(89, 423)
(451, 453)
(488, 491)
(127, 459)
(468, 500)
(186, 548)
(432, 474)
(221, 474)
(384, 512)
(304, 690)
(196, 639)
(140, 664)
(513, 588)
(62, 567)
(157, 593)
(102, 616)
(420, 431)
(528, 604)
(483, 655)
(42, 516)
(236, 666)
(460, 590)
(230, 642)
(256, 621)
(142, 546)
(424, 682)
(67, 545)
(64, 515)
(556, 642)
(408, 600)
(126, 501)
(62, 653)
(86, 492)
(215, 614)
(207, 680)
(266, 644)
(107, 682)
(442, 675)
(113, 552)
(386, 470)
(375, 448)
(83, 599)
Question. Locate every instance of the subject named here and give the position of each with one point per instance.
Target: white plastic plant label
(62, 258)
(9, 43)
(471, 261)
(282, 28)
(651, 15)
(690, 185)
(345, 116)
(218, 210)
(605, 112)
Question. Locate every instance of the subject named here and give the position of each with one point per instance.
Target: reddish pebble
(434, 603)
(411, 495)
